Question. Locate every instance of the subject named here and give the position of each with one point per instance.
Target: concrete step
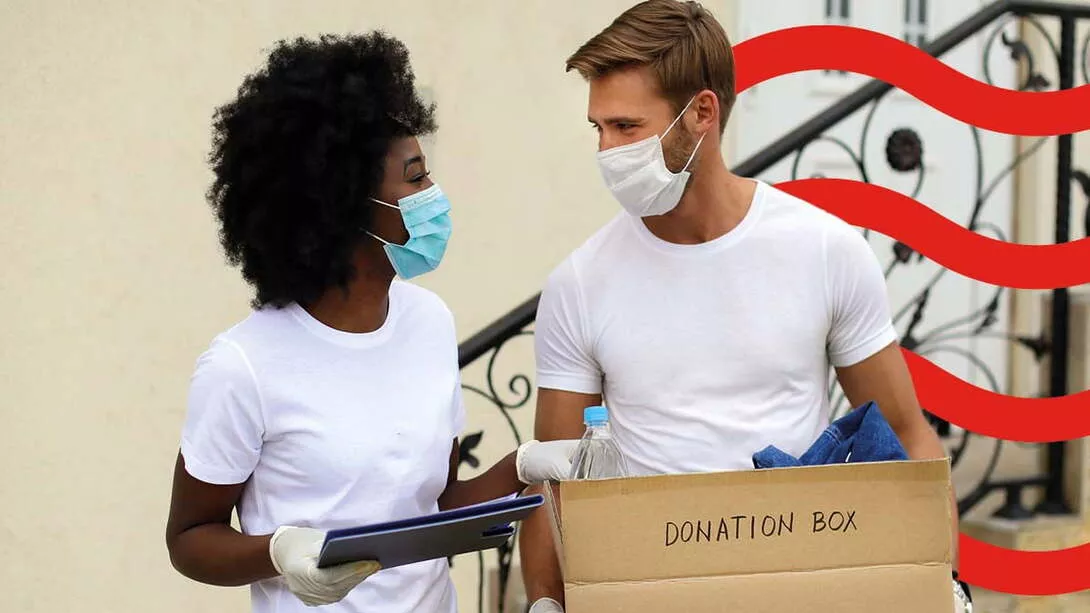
(992, 602)
(1041, 533)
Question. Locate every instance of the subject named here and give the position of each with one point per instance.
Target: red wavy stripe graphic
(902, 65)
(1029, 420)
(1026, 573)
(1026, 266)
(980, 257)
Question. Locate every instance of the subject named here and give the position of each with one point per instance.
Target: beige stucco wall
(113, 280)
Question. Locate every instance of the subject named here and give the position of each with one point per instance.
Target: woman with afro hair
(337, 401)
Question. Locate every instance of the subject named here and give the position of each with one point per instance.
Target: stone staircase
(1038, 534)
(991, 602)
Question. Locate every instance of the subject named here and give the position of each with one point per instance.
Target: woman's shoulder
(412, 298)
(415, 297)
(233, 348)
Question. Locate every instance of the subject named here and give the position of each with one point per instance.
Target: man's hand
(294, 553)
(537, 462)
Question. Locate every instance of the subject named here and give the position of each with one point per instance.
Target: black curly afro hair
(299, 151)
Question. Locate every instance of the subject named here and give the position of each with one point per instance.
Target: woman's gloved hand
(537, 461)
(546, 605)
(294, 552)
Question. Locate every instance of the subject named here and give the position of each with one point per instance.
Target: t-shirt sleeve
(562, 343)
(457, 409)
(224, 427)
(860, 316)
(449, 330)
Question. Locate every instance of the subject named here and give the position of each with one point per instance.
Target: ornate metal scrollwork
(521, 388)
(904, 150)
(1086, 59)
(1020, 53)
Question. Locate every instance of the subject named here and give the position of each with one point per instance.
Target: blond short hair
(683, 44)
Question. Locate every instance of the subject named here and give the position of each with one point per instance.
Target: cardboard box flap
(754, 521)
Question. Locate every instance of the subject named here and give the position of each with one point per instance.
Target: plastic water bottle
(598, 456)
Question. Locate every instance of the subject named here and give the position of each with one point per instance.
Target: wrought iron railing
(903, 155)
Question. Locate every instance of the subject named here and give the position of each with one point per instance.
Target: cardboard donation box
(844, 538)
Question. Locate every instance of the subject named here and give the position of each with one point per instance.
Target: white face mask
(638, 177)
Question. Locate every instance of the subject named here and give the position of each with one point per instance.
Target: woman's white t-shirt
(332, 430)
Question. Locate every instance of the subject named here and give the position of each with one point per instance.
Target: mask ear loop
(678, 118)
(371, 234)
(392, 206)
(693, 154)
(698, 143)
(378, 238)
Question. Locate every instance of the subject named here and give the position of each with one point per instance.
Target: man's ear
(706, 105)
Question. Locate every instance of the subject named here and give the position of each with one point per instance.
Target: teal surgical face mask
(427, 218)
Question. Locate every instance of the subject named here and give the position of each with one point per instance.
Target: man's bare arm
(559, 416)
(884, 379)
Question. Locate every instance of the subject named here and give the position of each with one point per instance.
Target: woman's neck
(363, 308)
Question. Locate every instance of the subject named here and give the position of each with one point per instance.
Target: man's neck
(713, 205)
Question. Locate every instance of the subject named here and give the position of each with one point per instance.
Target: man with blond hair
(710, 310)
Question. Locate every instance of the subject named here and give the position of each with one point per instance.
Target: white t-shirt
(333, 430)
(707, 353)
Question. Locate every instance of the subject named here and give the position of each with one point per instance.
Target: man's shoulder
(780, 204)
(790, 217)
(598, 250)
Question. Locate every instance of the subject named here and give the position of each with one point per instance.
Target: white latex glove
(294, 552)
(538, 461)
(546, 605)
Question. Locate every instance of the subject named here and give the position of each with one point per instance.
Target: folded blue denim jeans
(863, 435)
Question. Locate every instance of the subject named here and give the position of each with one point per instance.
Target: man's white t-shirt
(707, 353)
(333, 430)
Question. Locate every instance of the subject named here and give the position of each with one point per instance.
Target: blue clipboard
(429, 537)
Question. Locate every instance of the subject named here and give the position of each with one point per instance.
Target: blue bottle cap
(595, 415)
